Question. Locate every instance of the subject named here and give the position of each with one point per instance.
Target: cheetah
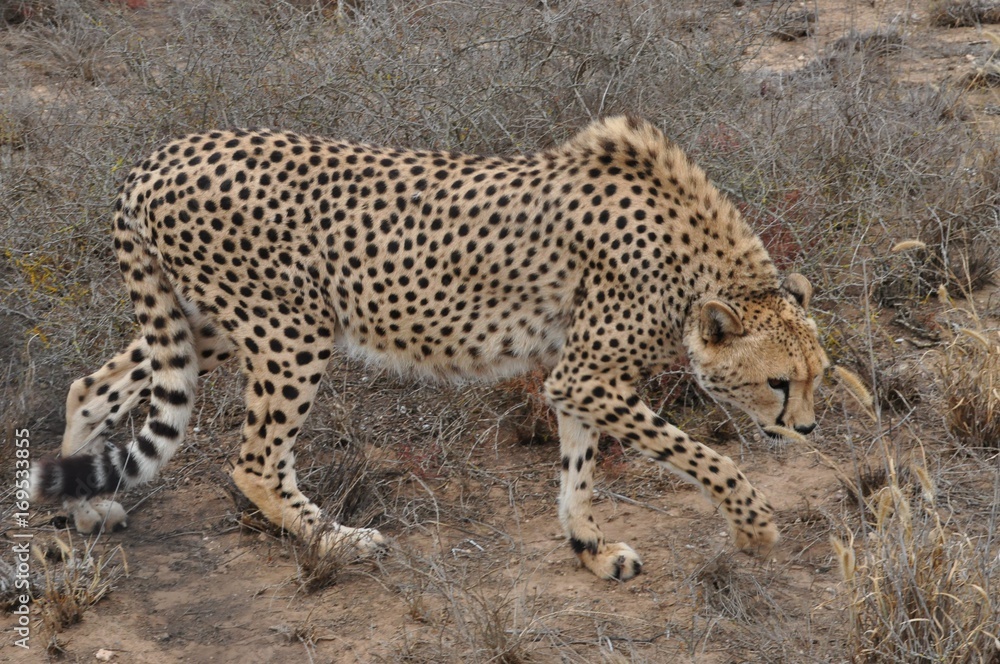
(600, 259)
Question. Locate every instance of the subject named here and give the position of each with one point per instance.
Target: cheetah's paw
(756, 539)
(90, 515)
(361, 542)
(616, 561)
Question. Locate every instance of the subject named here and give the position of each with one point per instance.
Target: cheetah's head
(761, 354)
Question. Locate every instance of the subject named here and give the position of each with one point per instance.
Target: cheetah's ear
(719, 322)
(799, 288)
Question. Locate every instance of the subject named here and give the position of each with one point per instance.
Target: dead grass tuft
(796, 25)
(17, 12)
(75, 583)
(919, 591)
(318, 566)
(71, 43)
(956, 258)
(984, 76)
(970, 375)
(850, 51)
(479, 614)
(351, 486)
(352, 493)
(870, 480)
(963, 13)
(877, 43)
(734, 591)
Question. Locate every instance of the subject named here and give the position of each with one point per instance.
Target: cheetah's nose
(805, 429)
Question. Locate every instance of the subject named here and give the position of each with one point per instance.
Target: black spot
(579, 546)
(163, 429)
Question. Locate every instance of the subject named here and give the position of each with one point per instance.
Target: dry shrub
(73, 586)
(734, 591)
(956, 244)
(871, 480)
(537, 422)
(871, 42)
(351, 487)
(961, 227)
(986, 76)
(796, 25)
(776, 223)
(900, 386)
(474, 613)
(320, 566)
(963, 13)
(917, 590)
(850, 50)
(16, 12)
(905, 278)
(489, 619)
(72, 44)
(15, 122)
(970, 375)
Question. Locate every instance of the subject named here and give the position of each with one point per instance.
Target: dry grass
(919, 580)
(318, 566)
(75, 581)
(970, 377)
(735, 592)
(15, 12)
(963, 13)
(917, 589)
(985, 76)
(472, 610)
(353, 495)
(795, 25)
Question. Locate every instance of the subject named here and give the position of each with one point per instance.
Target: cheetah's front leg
(593, 403)
(578, 446)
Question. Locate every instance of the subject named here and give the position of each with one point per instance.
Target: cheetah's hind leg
(277, 404)
(96, 403)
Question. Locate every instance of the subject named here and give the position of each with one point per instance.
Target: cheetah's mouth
(777, 432)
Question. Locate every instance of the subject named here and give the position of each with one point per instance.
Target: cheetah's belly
(489, 350)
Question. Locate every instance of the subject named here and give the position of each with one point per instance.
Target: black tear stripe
(780, 420)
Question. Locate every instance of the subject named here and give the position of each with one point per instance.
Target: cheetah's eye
(778, 384)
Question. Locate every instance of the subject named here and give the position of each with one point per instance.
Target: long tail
(173, 365)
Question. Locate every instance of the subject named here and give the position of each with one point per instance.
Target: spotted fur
(600, 259)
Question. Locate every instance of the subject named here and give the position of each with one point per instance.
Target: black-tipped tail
(81, 476)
